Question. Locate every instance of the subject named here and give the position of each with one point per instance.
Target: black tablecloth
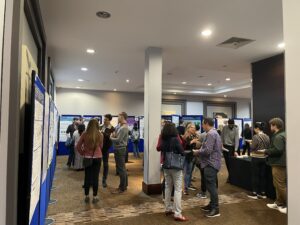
(240, 175)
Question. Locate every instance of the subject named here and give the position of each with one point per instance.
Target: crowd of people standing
(182, 150)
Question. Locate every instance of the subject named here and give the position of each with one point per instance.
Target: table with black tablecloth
(241, 173)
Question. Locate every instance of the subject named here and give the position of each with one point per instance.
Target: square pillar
(152, 113)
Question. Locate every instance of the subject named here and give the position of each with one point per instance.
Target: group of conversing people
(190, 148)
(91, 147)
(205, 151)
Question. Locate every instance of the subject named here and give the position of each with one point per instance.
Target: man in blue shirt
(210, 161)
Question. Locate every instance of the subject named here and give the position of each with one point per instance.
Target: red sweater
(84, 150)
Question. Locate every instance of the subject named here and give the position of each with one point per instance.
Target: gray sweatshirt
(121, 139)
(231, 137)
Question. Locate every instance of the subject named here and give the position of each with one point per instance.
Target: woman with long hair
(78, 162)
(170, 142)
(90, 147)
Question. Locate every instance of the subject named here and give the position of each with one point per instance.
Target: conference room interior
(157, 61)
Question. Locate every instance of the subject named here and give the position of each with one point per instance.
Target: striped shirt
(260, 141)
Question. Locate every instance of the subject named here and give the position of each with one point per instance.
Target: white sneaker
(283, 210)
(273, 206)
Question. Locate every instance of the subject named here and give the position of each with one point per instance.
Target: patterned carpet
(134, 207)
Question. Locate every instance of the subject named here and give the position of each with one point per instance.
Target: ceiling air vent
(235, 42)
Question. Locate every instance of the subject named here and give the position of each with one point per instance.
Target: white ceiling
(174, 25)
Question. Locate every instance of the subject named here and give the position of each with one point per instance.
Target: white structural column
(152, 113)
(291, 25)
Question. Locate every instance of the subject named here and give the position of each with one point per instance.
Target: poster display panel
(46, 137)
(114, 122)
(87, 119)
(175, 120)
(65, 121)
(248, 121)
(221, 122)
(239, 124)
(51, 132)
(197, 120)
(131, 120)
(38, 101)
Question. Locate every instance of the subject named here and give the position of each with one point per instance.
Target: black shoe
(262, 195)
(104, 184)
(253, 195)
(213, 213)
(206, 208)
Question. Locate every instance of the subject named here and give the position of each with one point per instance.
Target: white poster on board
(36, 151)
(142, 127)
(51, 132)
(65, 121)
(46, 137)
(239, 124)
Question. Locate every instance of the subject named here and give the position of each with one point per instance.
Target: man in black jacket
(106, 129)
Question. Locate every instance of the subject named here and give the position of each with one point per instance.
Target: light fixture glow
(228, 79)
(90, 51)
(183, 82)
(209, 84)
(115, 89)
(78, 87)
(175, 93)
(225, 96)
(80, 80)
(84, 69)
(281, 45)
(127, 81)
(206, 33)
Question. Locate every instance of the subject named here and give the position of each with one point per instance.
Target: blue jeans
(136, 151)
(187, 170)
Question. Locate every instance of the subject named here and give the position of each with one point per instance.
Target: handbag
(173, 160)
(70, 142)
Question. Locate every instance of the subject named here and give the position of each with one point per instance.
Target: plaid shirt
(211, 150)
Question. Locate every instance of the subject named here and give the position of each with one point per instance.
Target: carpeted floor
(134, 207)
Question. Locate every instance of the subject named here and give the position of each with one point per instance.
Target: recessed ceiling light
(115, 89)
(175, 93)
(183, 82)
(78, 87)
(84, 69)
(209, 84)
(225, 96)
(90, 51)
(281, 45)
(127, 81)
(228, 79)
(103, 14)
(80, 80)
(206, 33)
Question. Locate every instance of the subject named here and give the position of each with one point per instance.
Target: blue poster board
(38, 107)
(195, 119)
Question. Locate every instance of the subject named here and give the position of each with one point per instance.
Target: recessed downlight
(183, 82)
(80, 80)
(206, 33)
(281, 45)
(228, 79)
(175, 93)
(103, 14)
(90, 51)
(225, 96)
(115, 89)
(78, 87)
(127, 81)
(84, 69)
(209, 84)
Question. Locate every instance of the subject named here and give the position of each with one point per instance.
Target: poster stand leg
(49, 221)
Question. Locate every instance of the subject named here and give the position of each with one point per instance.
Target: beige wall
(291, 18)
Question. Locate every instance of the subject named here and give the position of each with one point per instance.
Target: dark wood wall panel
(268, 89)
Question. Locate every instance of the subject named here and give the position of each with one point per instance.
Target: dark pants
(105, 157)
(258, 175)
(91, 178)
(120, 155)
(126, 156)
(210, 175)
(203, 181)
(227, 157)
(71, 159)
(246, 147)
